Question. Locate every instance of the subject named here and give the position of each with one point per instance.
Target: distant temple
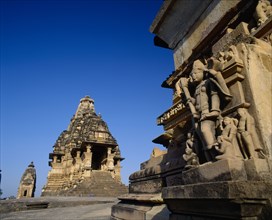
(86, 158)
(28, 183)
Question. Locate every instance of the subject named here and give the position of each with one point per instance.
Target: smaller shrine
(28, 183)
(86, 158)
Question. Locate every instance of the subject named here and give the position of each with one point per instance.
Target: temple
(217, 132)
(86, 158)
(28, 183)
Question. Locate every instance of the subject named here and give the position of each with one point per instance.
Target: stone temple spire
(86, 105)
(28, 182)
(86, 158)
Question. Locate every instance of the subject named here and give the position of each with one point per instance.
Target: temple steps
(100, 184)
(54, 184)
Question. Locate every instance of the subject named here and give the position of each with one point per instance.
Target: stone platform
(96, 208)
(222, 200)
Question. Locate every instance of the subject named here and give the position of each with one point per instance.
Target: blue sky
(53, 53)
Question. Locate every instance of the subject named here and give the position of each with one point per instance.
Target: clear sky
(53, 53)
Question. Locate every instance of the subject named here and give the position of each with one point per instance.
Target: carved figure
(263, 11)
(191, 142)
(228, 146)
(205, 103)
(229, 54)
(190, 157)
(110, 161)
(247, 135)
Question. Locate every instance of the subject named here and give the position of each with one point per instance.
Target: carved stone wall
(218, 131)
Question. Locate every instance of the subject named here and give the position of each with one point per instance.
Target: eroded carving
(228, 145)
(263, 11)
(206, 93)
(247, 135)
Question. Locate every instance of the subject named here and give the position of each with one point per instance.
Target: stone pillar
(110, 161)
(78, 162)
(108, 152)
(87, 161)
(90, 156)
(117, 169)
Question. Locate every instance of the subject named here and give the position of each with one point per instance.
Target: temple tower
(28, 183)
(86, 158)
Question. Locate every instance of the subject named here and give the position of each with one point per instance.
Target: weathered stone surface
(139, 206)
(92, 208)
(130, 211)
(86, 158)
(230, 199)
(141, 197)
(153, 185)
(258, 169)
(223, 170)
(37, 205)
(28, 183)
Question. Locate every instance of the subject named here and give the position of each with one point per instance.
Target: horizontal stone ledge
(37, 205)
(216, 208)
(220, 190)
(149, 198)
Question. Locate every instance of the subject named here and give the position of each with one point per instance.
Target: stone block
(228, 199)
(258, 169)
(142, 197)
(140, 206)
(158, 212)
(175, 179)
(129, 211)
(146, 186)
(222, 170)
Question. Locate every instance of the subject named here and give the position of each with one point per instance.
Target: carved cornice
(171, 113)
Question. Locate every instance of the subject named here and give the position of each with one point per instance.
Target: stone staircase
(100, 184)
(54, 184)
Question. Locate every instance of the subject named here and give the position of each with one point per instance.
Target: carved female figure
(247, 134)
(227, 140)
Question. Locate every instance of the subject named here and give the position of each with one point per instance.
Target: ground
(96, 208)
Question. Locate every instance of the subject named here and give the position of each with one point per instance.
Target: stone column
(90, 154)
(87, 161)
(77, 162)
(110, 161)
(117, 169)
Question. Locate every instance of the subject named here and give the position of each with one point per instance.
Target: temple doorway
(99, 154)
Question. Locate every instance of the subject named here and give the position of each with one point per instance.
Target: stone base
(146, 185)
(229, 200)
(130, 211)
(140, 207)
(222, 170)
(225, 189)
